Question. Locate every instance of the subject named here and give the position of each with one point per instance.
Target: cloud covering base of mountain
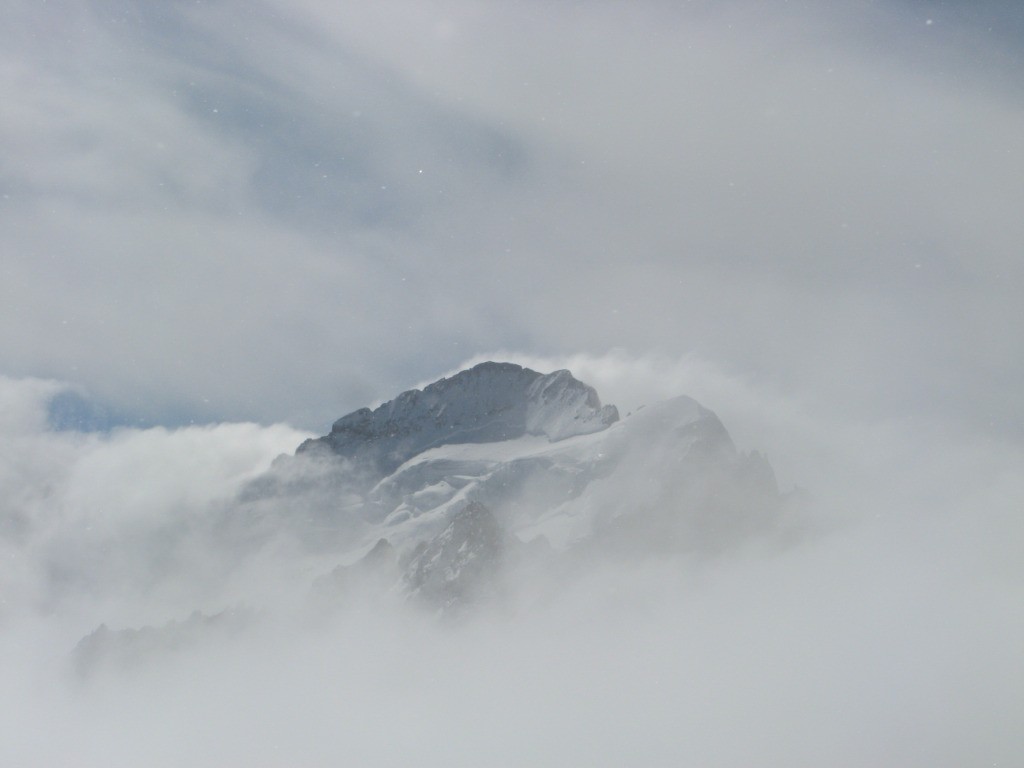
(886, 628)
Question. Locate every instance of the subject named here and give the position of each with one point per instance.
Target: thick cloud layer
(884, 625)
(90, 522)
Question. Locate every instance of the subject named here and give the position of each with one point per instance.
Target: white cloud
(777, 189)
(892, 630)
(86, 516)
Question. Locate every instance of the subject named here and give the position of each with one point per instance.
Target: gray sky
(284, 211)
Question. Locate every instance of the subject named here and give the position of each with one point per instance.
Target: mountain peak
(489, 402)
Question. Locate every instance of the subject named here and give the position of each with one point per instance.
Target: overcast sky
(284, 211)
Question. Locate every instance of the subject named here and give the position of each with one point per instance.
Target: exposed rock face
(461, 563)
(487, 403)
(447, 572)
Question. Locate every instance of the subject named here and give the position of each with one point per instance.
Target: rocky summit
(489, 402)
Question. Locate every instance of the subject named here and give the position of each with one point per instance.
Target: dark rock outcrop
(487, 403)
(463, 563)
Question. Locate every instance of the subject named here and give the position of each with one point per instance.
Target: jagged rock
(463, 562)
(487, 403)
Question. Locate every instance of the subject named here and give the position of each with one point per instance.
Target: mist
(876, 625)
(227, 224)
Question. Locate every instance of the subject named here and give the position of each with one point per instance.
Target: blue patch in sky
(69, 411)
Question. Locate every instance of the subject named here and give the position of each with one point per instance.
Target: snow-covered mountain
(446, 496)
(538, 451)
